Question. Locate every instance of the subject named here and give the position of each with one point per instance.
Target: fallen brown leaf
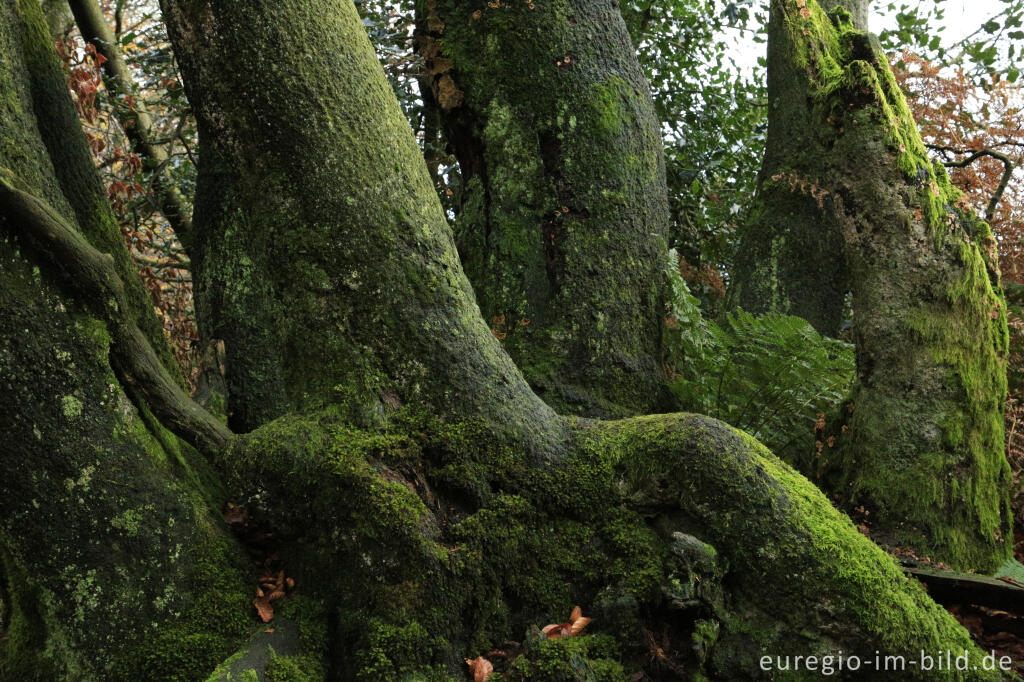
(578, 625)
(234, 514)
(263, 609)
(480, 668)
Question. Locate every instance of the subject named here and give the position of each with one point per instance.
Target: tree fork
(444, 507)
(791, 256)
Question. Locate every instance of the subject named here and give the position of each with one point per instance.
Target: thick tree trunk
(112, 563)
(924, 450)
(330, 274)
(433, 502)
(791, 259)
(563, 224)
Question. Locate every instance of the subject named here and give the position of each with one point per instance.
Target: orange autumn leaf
(264, 609)
(571, 628)
(578, 625)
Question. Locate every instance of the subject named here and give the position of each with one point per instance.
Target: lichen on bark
(113, 562)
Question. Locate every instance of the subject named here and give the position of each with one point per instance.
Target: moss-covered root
(563, 223)
(800, 578)
(430, 544)
(924, 448)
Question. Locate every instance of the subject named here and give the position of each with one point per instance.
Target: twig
(1008, 168)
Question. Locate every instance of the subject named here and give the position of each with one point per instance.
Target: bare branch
(1008, 168)
(134, 119)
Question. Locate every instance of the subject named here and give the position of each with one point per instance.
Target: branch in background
(162, 263)
(91, 276)
(134, 119)
(1008, 167)
(118, 18)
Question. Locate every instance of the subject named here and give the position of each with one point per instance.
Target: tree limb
(1008, 168)
(135, 120)
(91, 276)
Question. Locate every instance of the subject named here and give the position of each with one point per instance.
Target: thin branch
(92, 278)
(1008, 168)
(119, 18)
(162, 263)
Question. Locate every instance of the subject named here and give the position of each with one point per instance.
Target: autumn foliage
(163, 266)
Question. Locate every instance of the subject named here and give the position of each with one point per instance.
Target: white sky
(962, 17)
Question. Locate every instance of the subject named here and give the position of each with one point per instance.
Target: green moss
(563, 236)
(399, 652)
(294, 669)
(587, 658)
(924, 450)
(205, 632)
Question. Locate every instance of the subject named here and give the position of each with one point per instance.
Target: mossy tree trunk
(563, 225)
(430, 502)
(922, 446)
(112, 563)
(419, 487)
(791, 258)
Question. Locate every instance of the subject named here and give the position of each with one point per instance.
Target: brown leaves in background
(956, 119)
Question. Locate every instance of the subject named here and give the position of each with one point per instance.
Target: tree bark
(923, 445)
(423, 492)
(315, 306)
(564, 220)
(113, 565)
(791, 258)
(58, 18)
